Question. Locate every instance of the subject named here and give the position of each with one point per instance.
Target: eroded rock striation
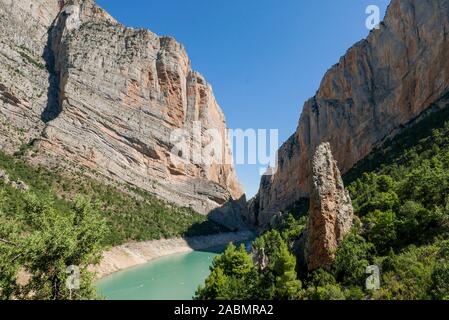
(380, 85)
(87, 92)
(331, 213)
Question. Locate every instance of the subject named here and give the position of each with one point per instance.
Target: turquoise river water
(175, 277)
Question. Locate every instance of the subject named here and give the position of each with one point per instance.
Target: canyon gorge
(384, 83)
(81, 91)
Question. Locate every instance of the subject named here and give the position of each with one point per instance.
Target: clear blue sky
(264, 58)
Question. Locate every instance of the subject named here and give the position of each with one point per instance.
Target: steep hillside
(84, 92)
(400, 194)
(382, 84)
(130, 214)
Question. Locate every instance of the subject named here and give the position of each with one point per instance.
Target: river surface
(174, 277)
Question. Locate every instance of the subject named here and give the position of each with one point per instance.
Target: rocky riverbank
(137, 253)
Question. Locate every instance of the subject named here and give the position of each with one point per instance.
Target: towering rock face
(381, 84)
(331, 214)
(24, 79)
(92, 93)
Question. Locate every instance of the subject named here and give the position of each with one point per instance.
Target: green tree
(417, 224)
(385, 183)
(279, 277)
(233, 276)
(9, 264)
(326, 292)
(287, 285)
(292, 228)
(53, 241)
(352, 258)
(381, 229)
(374, 192)
(440, 282)
(270, 243)
(382, 201)
(234, 262)
(354, 293)
(408, 274)
(215, 287)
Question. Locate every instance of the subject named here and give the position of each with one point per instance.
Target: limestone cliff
(381, 84)
(84, 91)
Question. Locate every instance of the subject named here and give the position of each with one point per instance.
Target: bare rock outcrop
(379, 86)
(87, 92)
(15, 183)
(331, 213)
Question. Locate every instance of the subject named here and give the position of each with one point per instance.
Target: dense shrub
(49, 242)
(234, 275)
(352, 258)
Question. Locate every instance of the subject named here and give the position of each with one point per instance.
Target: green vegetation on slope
(235, 276)
(401, 198)
(141, 217)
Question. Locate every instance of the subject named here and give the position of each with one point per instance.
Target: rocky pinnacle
(330, 214)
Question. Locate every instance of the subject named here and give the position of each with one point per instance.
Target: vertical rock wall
(87, 92)
(381, 84)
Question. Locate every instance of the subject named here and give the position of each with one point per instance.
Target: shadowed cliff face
(380, 85)
(94, 94)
